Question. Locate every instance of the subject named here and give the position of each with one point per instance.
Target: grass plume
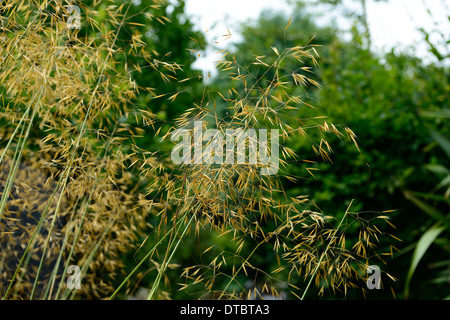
(78, 190)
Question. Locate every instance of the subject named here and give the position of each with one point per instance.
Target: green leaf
(443, 141)
(442, 113)
(431, 196)
(422, 246)
(444, 182)
(437, 169)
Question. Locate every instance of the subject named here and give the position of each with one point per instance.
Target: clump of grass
(69, 113)
(65, 109)
(252, 210)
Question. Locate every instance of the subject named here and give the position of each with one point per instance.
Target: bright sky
(392, 23)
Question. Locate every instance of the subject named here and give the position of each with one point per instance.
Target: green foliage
(422, 245)
(442, 225)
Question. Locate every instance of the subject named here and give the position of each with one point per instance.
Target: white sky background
(392, 24)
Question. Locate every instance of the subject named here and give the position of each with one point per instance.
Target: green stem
(236, 273)
(18, 154)
(72, 249)
(155, 286)
(324, 253)
(146, 257)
